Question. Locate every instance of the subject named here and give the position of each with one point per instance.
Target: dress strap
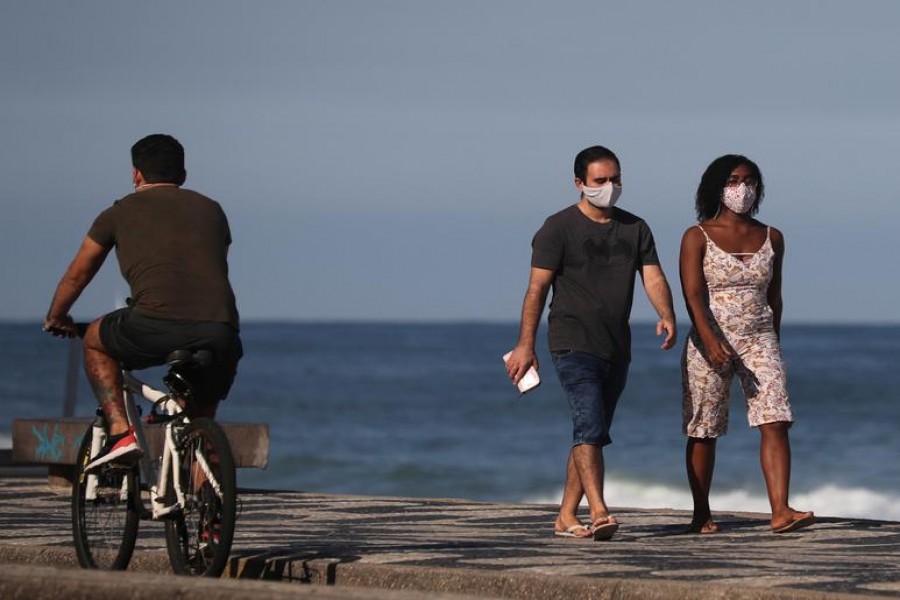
(706, 235)
(768, 233)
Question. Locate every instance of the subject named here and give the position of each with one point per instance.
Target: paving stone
(498, 549)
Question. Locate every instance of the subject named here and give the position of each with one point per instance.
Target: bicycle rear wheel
(106, 511)
(199, 537)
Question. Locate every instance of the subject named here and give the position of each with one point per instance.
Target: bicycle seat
(189, 358)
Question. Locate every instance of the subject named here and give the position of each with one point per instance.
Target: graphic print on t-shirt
(607, 250)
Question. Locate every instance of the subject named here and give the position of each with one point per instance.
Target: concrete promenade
(437, 548)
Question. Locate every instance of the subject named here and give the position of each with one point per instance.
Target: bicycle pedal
(175, 514)
(120, 466)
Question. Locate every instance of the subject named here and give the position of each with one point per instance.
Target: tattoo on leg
(105, 394)
(105, 378)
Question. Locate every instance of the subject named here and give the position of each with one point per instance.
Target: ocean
(426, 410)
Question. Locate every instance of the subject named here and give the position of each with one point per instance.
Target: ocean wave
(827, 500)
(5, 440)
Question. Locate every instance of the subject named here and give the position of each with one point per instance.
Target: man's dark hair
(591, 155)
(709, 192)
(160, 159)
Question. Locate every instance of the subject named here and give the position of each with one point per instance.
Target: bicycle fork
(98, 438)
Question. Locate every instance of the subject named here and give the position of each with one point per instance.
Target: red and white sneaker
(119, 449)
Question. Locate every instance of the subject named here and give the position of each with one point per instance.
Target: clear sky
(392, 160)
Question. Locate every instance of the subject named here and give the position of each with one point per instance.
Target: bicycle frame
(156, 475)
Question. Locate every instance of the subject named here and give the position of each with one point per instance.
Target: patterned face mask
(603, 196)
(739, 198)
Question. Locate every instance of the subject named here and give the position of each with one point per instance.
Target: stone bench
(55, 442)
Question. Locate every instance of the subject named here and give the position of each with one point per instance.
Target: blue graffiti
(49, 444)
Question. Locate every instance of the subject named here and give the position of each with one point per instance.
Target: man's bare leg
(589, 464)
(775, 459)
(105, 376)
(572, 494)
(584, 477)
(700, 458)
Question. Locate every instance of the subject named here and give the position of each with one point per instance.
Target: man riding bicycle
(172, 247)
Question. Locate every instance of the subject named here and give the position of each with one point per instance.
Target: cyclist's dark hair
(709, 192)
(590, 155)
(160, 159)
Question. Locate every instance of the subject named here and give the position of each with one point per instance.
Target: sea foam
(827, 500)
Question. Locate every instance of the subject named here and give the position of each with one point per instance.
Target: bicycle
(193, 488)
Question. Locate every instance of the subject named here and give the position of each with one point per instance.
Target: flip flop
(603, 528)
(570, 531)
(804, 521)
(707, 528)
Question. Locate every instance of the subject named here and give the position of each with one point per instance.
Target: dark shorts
(593, 386)
(138, 342)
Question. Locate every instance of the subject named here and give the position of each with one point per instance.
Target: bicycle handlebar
(78, 330)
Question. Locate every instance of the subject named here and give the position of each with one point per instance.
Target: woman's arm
(696, 295)
(773, 295)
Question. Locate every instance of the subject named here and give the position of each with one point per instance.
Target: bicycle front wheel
(106, 511)
(199, 536)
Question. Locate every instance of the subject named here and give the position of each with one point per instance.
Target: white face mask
(604, 196)
(739, 198)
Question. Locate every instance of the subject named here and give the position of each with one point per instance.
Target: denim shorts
(593, 386)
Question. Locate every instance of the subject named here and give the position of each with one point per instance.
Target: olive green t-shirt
(172, 247)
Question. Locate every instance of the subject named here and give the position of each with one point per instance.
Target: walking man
(589, 253)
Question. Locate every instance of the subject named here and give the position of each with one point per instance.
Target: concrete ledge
(55, 442)
(21, 582)
(25, 574)
(526, 586)
(156, 561)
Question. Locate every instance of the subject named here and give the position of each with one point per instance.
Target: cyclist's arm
(81, 271)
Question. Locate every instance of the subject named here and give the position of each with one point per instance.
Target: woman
(731, 280)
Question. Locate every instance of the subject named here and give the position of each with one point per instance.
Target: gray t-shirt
(172, 245)
(595, 266)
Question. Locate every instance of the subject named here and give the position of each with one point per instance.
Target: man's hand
(522, 356)
(519, 362)
(61, 327)
(667, 326)
(660, 297)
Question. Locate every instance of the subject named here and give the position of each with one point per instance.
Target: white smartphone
(529, 381)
